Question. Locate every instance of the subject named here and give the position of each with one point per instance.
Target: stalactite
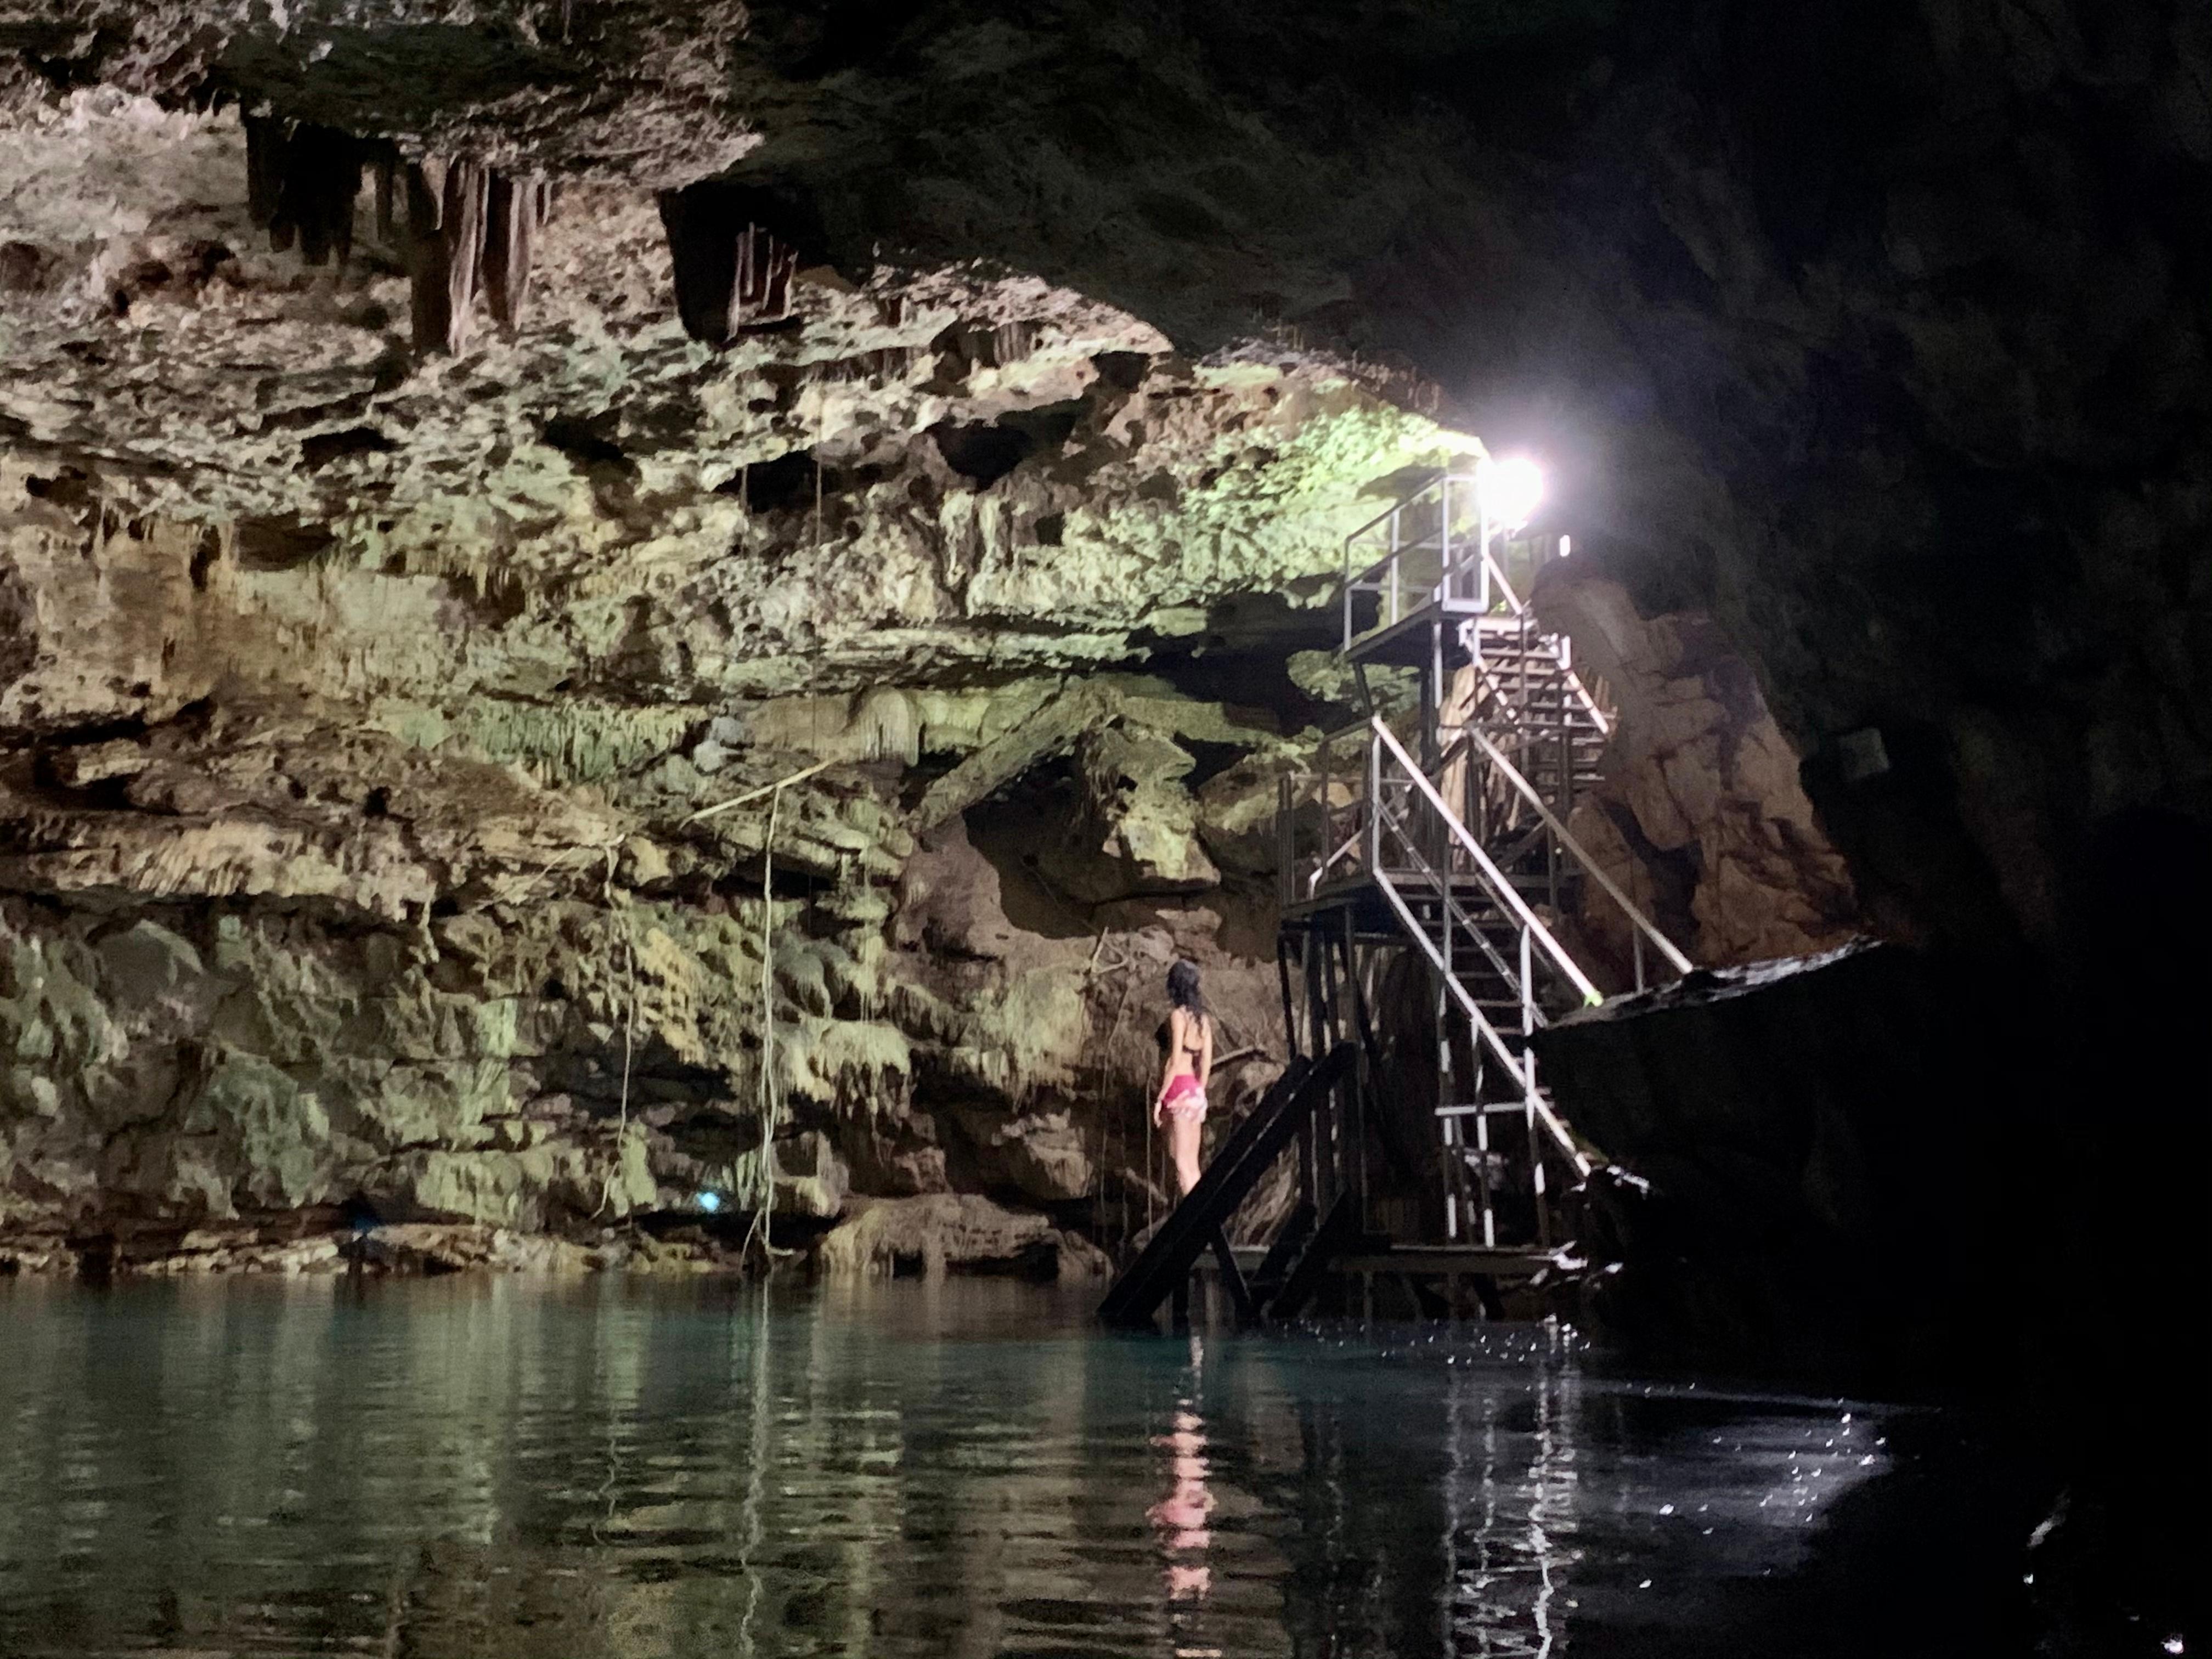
(516, 208)
(735, 252)
(301, 183)
(471, 232)
(386, 164)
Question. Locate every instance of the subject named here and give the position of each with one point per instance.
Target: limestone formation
(419, 856)
(930, 1235)
(1699, 815)
(416, 662)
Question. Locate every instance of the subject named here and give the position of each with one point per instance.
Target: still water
(487, 1468)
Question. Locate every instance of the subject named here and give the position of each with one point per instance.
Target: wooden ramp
(1199, 1222)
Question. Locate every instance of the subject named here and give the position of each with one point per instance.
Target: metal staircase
(1439, 825)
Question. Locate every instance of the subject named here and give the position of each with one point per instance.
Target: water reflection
(491, 1468)
(1181, 1517)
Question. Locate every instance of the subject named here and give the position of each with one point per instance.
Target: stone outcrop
(929, 1235)
(1698, 816)
(1808, 1215)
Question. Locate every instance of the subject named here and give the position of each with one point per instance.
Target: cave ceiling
(1879, 333)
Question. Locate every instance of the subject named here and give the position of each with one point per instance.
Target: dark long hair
(1183, 988)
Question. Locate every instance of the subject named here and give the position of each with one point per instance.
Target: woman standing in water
(1180, 1105)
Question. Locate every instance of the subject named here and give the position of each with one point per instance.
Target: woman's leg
(1183, 1132)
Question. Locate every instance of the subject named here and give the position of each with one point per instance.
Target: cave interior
(630, 633)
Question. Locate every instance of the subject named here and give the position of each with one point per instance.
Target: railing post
(1346, 588)
(1374, 825)
(1482, 557)
(1443, 540)
(1397, 540)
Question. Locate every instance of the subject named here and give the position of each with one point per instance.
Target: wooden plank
(1176, 1245)
(1145, 1281)
(1340, 1231)
(1240, 1293)
(1500, 1262)
(1289, 1239)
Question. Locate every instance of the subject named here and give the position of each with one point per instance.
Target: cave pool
(478, 1466)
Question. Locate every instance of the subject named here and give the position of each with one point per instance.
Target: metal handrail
(1368, 575)
(1380, 576)
(1567, 672)
(1513, 602)
(1437, 476)
(1502, 889)
(1329, 859)
(1485, 1030)
(1452, 908)
(1581, 855)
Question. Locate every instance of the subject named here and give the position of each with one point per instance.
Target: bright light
(1510, 490)
(710, 1202)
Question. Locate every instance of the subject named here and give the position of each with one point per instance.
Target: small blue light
(710, 1202)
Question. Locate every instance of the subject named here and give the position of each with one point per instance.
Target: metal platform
(1372, 914)
(1432, 837)
(1443, 1260)
(1412, 641)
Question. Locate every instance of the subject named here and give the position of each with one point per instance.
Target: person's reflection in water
(1179, 1518)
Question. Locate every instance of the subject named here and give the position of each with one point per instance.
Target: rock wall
(242, 1032)
(1699, 815)
(389, 758)
(1838, 1171)
(427, 707)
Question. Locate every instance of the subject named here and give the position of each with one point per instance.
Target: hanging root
(761, 1177)
(629, 1040)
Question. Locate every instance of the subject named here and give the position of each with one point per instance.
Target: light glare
(1510, 490)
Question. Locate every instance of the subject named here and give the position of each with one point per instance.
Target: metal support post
(1527, 986)
(1308, 1159)
(1535, 1151)
(1482, 1180)
(1374, 803)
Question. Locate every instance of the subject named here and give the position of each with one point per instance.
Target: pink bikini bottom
(1184, 1098)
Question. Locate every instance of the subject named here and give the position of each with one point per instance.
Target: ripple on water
(486, 1468)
